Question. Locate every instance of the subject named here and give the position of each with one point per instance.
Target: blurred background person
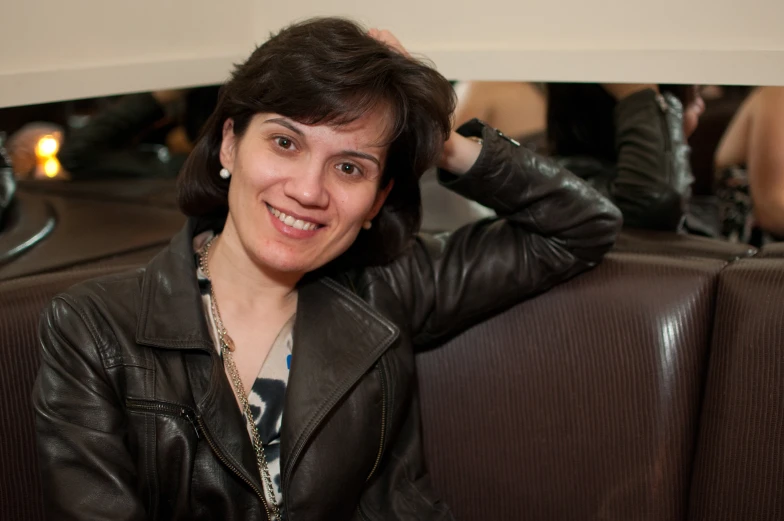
(721, 104)
(518, 109)
(7, 181)
(146, 135)
(630, 142)
(749, 165)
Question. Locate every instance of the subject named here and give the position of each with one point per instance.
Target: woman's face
(299, 194)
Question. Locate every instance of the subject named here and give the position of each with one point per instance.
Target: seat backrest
(680, 245)
(582, 403)
(775, 249)
(21, 302)
(739, 464)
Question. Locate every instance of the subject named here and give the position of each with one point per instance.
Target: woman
(629, 142)
(750, 164)
(296, 296)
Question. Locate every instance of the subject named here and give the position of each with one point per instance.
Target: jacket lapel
(171, 314)
(172, 317)
(337, 339)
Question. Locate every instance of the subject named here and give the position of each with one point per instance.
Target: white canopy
(66, 49)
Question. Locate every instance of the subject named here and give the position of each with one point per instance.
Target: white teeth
(291, 221)
(302, 225)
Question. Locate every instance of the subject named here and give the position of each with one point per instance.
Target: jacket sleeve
(103, 145)
(86, 469)
(652, 185)
(550, 227)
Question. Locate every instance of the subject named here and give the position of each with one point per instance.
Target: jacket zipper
(182, 411)
(231, 467)
(166, 408)
(383, 380)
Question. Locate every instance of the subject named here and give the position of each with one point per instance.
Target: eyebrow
(362, 155)
(351, 153)
(285, 123)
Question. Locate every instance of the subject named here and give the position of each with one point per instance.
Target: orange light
(51, 167)
(47, 147)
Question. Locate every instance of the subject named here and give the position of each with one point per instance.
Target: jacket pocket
(175, 410)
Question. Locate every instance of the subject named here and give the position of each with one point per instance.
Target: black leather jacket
(136, 419)
(651, 180)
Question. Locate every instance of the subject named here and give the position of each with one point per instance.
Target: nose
(307, 187)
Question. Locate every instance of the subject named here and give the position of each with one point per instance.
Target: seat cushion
(579, 404)
(21, 302)
(739, 464)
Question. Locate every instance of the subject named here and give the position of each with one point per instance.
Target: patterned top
(737, 209)
(267, 394)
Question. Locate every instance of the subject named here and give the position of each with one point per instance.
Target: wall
(60, 50)
(56, 49)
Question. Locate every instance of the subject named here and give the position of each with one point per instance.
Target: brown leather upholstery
(773, 250)
(583, 403)
(133, 258)
(580, 404)
(680, 245)
(21, 301)
(739, 465)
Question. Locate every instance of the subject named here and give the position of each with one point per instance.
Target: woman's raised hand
(386, 37)
(459, 153)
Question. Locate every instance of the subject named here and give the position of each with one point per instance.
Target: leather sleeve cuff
(496, 146)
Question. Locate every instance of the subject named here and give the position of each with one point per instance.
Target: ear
(381, 198)
(228, 145)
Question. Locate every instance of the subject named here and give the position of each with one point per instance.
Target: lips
(294, 222)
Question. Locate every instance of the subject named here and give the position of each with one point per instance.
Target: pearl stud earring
(225, 174)
(367, 225)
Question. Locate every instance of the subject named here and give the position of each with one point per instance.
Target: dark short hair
(581, 119)
(329, 71)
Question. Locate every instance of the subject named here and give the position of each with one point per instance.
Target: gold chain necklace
(226, 349)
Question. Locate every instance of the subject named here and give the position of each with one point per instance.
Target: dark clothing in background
(7, 182)
(107, 146)
(651, 179)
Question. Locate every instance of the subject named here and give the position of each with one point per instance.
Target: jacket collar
(172, 316)
(171, 313)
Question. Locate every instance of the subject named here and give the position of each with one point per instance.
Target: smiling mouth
(288, 220)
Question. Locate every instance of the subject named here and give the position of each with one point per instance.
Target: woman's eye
(283, 142)
(348, 168)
